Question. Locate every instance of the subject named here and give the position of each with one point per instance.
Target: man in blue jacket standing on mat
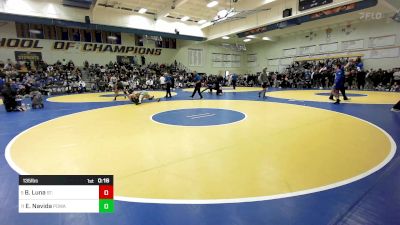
(343, 89)
(168, 81)
(339, 82)
(234, 80)
(197, 84)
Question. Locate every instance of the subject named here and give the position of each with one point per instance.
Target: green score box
(106, 205)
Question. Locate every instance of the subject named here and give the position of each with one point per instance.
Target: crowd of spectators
(321, 75)
(40, 76)
(134, 76)
(66, 77)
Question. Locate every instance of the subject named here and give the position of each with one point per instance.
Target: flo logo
(379, 15)
(371, 16)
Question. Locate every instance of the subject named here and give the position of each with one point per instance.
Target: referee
(168, 81)
(197, 86)
(264, 81)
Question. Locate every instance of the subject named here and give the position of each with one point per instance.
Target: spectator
(9, 98)
(396, 76)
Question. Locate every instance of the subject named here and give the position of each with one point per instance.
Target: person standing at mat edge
(9, 95)
(234, 80)
(197, 84)
(339, 82)
(264, 81)
(343, 88)
(168, 81)
(119, 86)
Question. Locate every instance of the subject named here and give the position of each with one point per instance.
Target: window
(118, 41)
(29, 30)
(195, 57)
(251, 60)
(97, 36)
(112, 38)
(74, 34)
(139, 40)
(166, 43)
(87, 35)
(36, 31)
(49, 32)
(22, 30)
(158, 44)
(62, 33)
(226, 60)
(173, 43)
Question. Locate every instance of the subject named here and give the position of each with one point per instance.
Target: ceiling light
(251, 36)
(202, 21)
(222, 13)
(225, 37)
(247, 40)
(185, 18)
(112, 38)
(212, 4)
(266, 38)
(142, 10)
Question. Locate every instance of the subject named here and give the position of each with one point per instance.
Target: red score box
(106, 192)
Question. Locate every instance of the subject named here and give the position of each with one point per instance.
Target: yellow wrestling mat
(99, 97)
(229, 89)
(277, 150)
(356, 97)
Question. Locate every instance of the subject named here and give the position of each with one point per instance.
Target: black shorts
(265, 85)
(120, 87)
(134, 100)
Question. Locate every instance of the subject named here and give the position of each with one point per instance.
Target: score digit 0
(106, 192)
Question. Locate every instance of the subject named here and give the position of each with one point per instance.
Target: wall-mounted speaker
(87, 19)
(287, 12)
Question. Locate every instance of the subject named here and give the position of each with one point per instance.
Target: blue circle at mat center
(348, 94)
(199, 117)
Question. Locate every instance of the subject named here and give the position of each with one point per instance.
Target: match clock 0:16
(104, 180)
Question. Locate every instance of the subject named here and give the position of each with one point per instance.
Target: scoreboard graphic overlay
(66, 194)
